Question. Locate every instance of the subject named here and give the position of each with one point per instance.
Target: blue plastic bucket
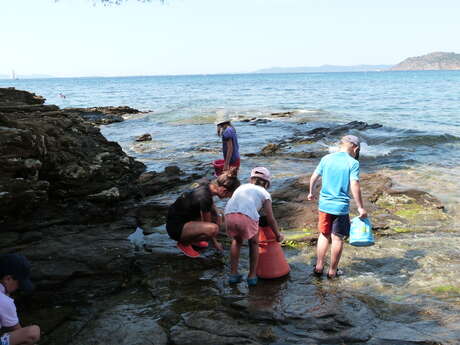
(361, 232)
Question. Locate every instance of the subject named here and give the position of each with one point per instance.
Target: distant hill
(432, 61)
(325, 68)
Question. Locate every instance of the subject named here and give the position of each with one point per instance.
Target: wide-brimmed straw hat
(222, 118)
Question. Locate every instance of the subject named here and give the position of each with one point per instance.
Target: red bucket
(218, 166)
(272, 262)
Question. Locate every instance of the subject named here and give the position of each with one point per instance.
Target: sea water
(418, 144)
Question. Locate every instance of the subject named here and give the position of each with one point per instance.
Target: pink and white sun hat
(262, 173)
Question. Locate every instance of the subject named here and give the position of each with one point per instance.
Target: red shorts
(336, 224)
(240, 225)
(236, 163)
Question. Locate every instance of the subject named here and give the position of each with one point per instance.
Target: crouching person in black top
(189, 218)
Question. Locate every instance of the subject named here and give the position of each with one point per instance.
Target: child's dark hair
(229, 179)
(260, 182)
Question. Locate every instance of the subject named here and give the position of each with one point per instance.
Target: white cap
(262, 173)
(351, 139)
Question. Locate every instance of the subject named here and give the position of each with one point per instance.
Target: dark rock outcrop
(69, 198)
(103, 115)
(49, 158)
(144, 137)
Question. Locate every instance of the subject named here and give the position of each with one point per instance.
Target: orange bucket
(272, 262)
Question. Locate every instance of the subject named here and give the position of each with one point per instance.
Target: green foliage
(447, 289)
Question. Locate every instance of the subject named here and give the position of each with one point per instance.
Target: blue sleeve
(319, 168)
(228, 134)
(354, 173)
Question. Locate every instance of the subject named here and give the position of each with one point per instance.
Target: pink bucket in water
(218, 166)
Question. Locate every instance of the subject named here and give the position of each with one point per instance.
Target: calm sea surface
(420, 112)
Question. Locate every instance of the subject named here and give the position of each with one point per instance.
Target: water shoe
(337, 274)
(317, 273)
(188, 250)
(235, 278)
(252, 281)
(200, 244)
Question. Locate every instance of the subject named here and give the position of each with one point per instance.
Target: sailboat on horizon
(13, 75)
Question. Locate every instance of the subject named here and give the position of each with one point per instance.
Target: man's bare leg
(336, 253)
(321, 251)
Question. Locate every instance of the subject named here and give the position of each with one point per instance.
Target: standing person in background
(230, 147)
(14, 275)
(189, 219)
(340, 173)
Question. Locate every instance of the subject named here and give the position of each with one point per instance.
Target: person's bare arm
(355, 187)
(313, 180)
(229, 154)
(268, 211)
(217, 214)
(206, 217)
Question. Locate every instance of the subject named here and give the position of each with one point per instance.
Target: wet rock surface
(103, 115)
(70, 199)
(298, 145)
(51, 160)
(393, 210)
(144, 137)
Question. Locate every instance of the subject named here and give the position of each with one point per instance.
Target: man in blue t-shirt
(340, 174)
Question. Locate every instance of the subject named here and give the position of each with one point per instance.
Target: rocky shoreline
(69, 199)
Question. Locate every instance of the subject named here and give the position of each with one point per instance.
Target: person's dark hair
(229, 179)
(260, 182)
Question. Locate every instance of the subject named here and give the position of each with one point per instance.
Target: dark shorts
(339, 225)
(174, 229)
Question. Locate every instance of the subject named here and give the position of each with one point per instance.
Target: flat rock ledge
(103, 115)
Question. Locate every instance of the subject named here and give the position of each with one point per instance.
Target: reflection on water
(413, 269)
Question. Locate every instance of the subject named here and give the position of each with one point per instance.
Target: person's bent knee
(33, 334)
(26, 335)
(213, 230)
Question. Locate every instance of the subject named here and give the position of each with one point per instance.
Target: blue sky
(77, 38)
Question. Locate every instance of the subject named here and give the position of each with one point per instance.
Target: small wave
(312, 112)
(408, 138)
(369, 151)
